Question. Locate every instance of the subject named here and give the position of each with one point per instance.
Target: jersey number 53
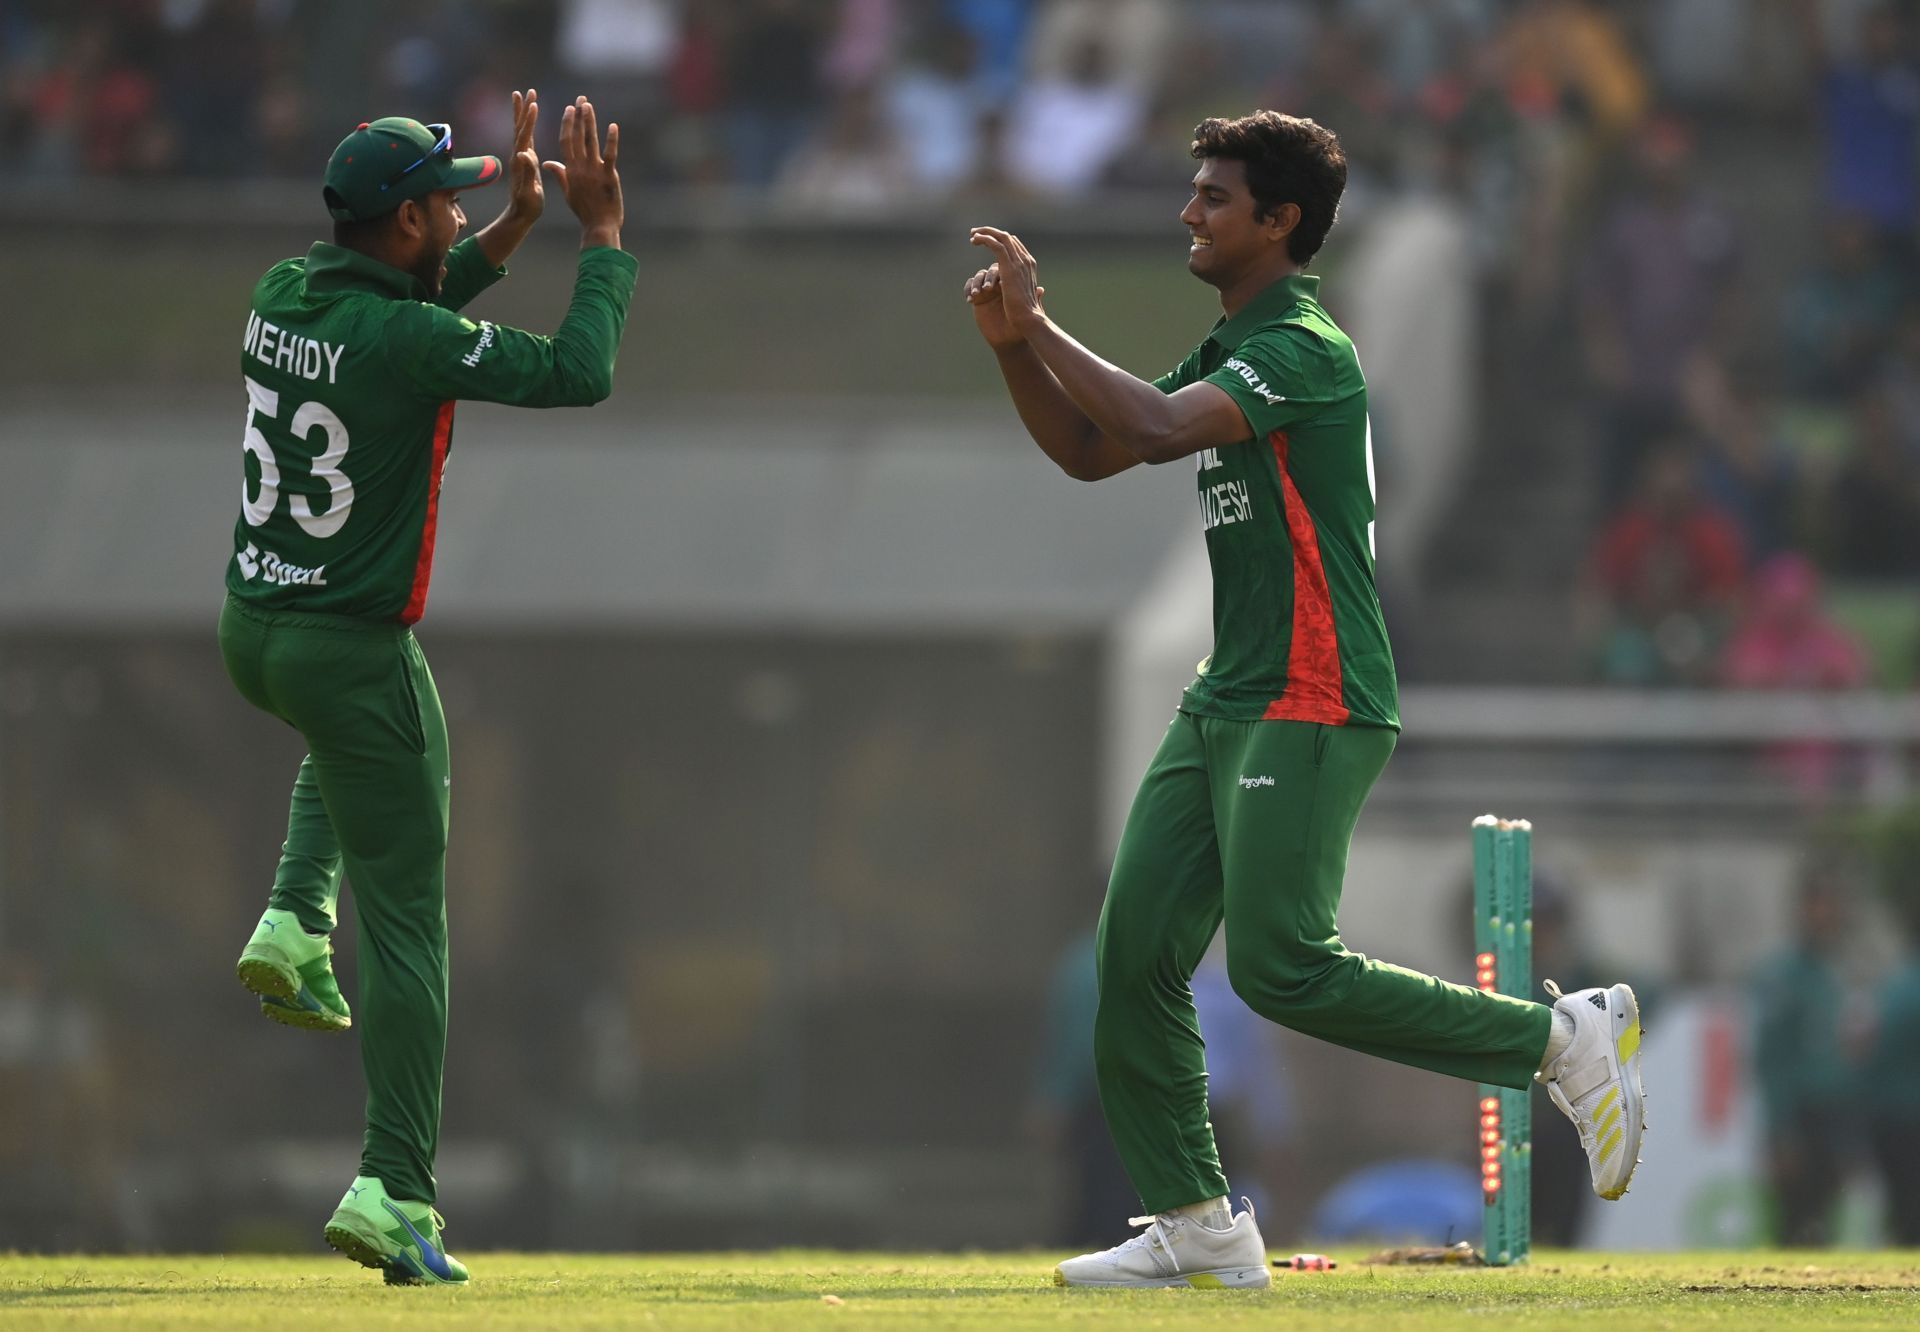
(310, 416)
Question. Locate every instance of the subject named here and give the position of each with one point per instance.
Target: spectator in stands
(854, 166)
(1062, 132)
(935, 103)
(1873, 510)
(999, 30)
(213, 83)
(773, 66)
(1657, 290)
(864, 44)
(1252, 44)
(1134, 37)
(93, 108)
(1579, 49)
(624, 50)
(689, 137)
(284, 122)
(1799, 1065)
(1577, 91)
(1702, 51)
(1840, 317)
(1420, 42)
(1664, 578)
(1342, 88)
(1870, 109)
(1157, 159)
(1483, 164)
(1746, 466)
(1785, 639)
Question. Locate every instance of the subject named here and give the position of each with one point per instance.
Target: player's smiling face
(1227, 237)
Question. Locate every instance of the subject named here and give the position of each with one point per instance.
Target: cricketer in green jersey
(1246, 812)
(353, 358)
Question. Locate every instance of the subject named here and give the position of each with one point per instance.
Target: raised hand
(526, 192)
(526, 196)
(1015, 275)
(989, 311)
(589, 175)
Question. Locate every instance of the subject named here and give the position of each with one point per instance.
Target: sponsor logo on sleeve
(472, 358)
(1253, 380)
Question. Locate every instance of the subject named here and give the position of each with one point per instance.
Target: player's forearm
(1125, 409)
(468, 274)
(585, 343)
(1060, 428)
(502, 236)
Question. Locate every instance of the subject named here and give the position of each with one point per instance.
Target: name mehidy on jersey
(306, 357)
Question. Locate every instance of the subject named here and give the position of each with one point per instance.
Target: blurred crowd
(844, 102)
(1706, 207)
(1749, 343)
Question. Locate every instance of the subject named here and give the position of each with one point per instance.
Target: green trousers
(371, 796)
(1250, 822)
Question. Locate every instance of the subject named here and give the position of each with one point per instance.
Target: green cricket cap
(392, 159)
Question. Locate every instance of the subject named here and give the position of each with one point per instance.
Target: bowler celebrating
(1246, 812)
(353, 359)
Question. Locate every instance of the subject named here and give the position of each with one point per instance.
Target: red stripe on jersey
(423, 566)
(1314, 684)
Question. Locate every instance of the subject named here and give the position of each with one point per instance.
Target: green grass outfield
(1615, 1292)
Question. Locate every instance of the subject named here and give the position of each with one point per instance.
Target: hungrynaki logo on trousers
(270, 568)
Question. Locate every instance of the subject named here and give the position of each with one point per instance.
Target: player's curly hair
(1289, 160)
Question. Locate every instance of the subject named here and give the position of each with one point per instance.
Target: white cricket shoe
(1596, 1082)
(1176, 1250)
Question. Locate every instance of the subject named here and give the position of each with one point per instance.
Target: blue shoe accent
(302, 1002)
(435, 1261)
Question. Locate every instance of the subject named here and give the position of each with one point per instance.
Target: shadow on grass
(54, 1294)
(732, 1293)
(741, 1293)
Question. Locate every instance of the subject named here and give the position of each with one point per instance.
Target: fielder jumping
(353, 360)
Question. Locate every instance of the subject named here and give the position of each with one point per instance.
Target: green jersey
(1297, 630)
(351, 377)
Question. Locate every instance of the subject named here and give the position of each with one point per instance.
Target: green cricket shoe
(398, 1236)
(292, 972)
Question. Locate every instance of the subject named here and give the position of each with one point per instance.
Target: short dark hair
(1289, 160)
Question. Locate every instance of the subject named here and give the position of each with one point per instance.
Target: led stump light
(1503, 964)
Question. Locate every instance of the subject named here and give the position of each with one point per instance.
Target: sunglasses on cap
(443, 145)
